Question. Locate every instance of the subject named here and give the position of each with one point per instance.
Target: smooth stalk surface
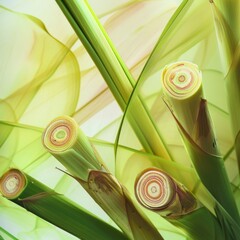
(54, 208)
(113, 70)
(182, 87)
(77, 154)
(160, 193)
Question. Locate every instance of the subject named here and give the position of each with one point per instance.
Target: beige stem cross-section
(182, 87)
(160, 193)
(64, 140)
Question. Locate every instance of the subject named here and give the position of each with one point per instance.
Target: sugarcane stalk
(160, 193)
(64, 139)
(156, 190)
(37, 198)
(117, 76)
(75, 152)
(182, 86)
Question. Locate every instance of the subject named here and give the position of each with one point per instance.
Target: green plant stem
(4, 235)
(182, 85)
(63, 213)
(200, 224)
(212, 173)
(159, 192)
(114, 71)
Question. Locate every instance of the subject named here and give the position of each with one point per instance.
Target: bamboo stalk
(160, 193)
(54, 208)
(183, 93)
(117, 76)
(87, 168)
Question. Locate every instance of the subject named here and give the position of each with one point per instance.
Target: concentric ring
(181, 80)
(12, 183)
(155, 189)
(60, 134)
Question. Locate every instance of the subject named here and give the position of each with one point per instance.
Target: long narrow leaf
(54, 208)
(116, 74)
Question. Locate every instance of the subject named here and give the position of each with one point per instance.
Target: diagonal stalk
(64, 140)
(160, 193)
(182, 85)
(227, 25)
(114, 71)
(54, 208)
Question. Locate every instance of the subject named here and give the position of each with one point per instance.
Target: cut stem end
(60, 134)
(12, 183)
(181, 79)
(154, 189)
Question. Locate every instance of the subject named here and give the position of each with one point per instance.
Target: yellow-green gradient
(46, 72)
(39, 72)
